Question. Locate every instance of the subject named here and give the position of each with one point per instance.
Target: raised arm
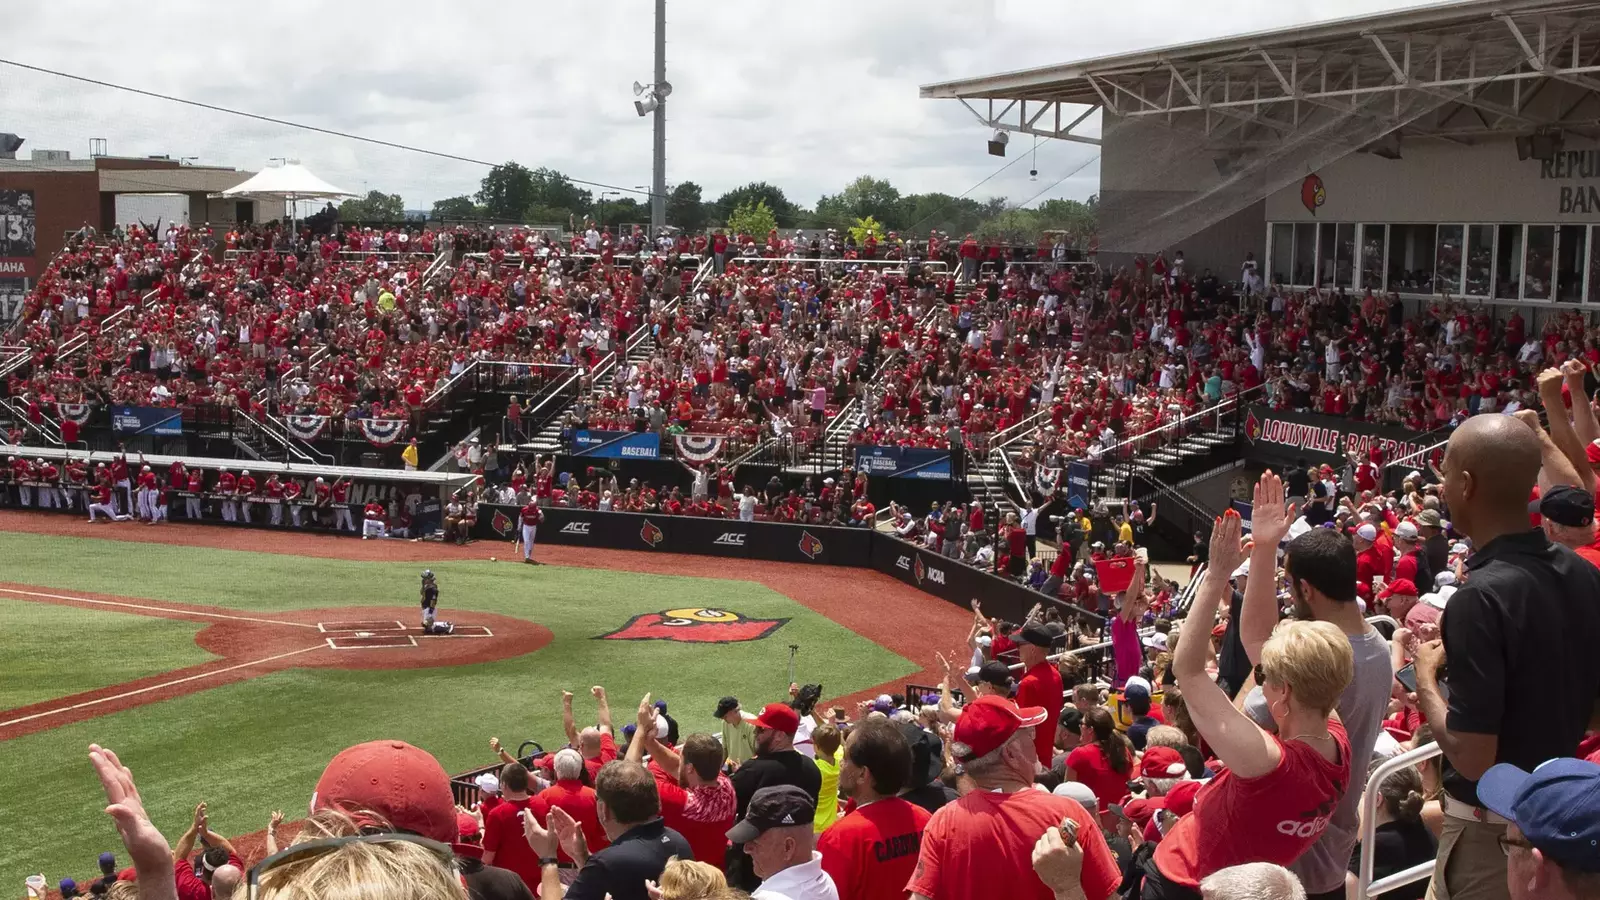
(646, 724)
(603, 715)
(1243, 747)
(1562, 433)
(567, 723)
(197, 826)
(1555, 467)
(1270, 518)
(1583, 417)
(1134, 600)
(494, 744)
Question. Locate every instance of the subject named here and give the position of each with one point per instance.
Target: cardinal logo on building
(695, 626)
(1313, 193)
(810, 545)
(650, 534)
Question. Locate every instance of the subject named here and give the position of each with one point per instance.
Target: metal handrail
(20, 414)
(1365, 886)
(1023, 432)
(306, 448)
(1215, 409)
(281, 439)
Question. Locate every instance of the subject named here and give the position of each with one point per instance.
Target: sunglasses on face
(322, 845)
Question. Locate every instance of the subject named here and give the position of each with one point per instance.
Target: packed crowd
(1222, 755)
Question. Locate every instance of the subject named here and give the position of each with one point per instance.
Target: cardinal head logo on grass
(695, 626)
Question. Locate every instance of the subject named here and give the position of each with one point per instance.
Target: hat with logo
(775, 806)
(1163, 762)
(1403, 587)
(1042, 634)
(1567, 505)
(1556, 807)
(779, 717)
(988, 722)
(403, 784)
(726, 705)
(1137, 685)
(1156, 641)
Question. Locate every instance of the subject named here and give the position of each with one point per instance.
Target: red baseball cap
(403, 784)
(990, 721)
(779, 717)
(1592, 451)
(1402, 586)
(1180, 800)
(1163, 762)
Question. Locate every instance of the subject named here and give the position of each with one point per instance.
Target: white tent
(286, 183)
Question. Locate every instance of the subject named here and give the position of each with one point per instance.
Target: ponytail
(1113, 744)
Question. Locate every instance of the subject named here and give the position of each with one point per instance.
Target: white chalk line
(166, 609)
(157, 687)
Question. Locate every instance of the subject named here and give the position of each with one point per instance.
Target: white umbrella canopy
(288, 182)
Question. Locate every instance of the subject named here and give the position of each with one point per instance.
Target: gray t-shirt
(1362, 708)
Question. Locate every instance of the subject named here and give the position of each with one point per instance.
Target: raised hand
(1227, 549)
(276, 820)
(566, 698)
(598, 692)
(541, 840)
(569, 832)
(1270, 515)
(151, 855)
(647, 715)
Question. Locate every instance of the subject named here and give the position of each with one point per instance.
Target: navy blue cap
(1556, 806)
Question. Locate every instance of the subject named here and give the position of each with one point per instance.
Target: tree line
(513, 193)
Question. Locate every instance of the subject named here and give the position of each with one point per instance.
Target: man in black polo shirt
(776, 762)
(630, 812)
(1517, 653)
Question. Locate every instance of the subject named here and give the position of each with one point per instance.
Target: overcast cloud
(807, 95)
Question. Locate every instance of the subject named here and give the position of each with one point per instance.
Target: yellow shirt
(1125, 533)
(409, 455)
(828, 795)
(739, 741)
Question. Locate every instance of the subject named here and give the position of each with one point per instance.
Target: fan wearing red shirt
(697, 800)
(872, 851)
(982, 844)
(503, 842)
(220, 868)
(1371, 560)
(1276, 796)
(1041, 682)
(1103, 760)
(571, 795)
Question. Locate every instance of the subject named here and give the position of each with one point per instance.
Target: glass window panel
(1372, 241)
(1411, 258)
(1539, 263)
(1480, 259)
(1594, 264)
(1281, 265)
(1447, 260)
(1327, 240)
(1345, 255)
(1571, 254)
(1305, 254)
(1508, 262)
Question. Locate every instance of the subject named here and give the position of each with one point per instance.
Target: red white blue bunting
(699, 448)
(75, 412)
(382, 432)
(306, 428)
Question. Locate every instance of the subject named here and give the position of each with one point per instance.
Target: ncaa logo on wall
(927, 572)
(578, 528)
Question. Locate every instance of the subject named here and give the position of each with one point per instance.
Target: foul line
(157, 687)
(165, 609)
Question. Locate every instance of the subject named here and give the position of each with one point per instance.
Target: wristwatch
(548, 861)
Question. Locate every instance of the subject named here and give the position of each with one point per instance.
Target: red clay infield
(880, 608)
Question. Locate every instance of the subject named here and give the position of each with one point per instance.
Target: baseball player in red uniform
(46, 474)
(227, 484)
(22, 474)
(373, 522)
(123, 496)
(274, 491)
(341, 506)
(246, 488)
(322, 494)
(102, 504)
(145, 492)
(74, 477)
(291, 496)
(529, 520)
(195, 485)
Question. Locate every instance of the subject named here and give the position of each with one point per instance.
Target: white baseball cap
(1367, 532)
(1406, 531)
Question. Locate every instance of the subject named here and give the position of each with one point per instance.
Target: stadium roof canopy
(1479, 67)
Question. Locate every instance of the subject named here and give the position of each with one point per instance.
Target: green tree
(866, 197)
(375, 207)
(622, 210)
(455, 208)
(956, 216)
(1072, 216)
(754, 218)
(1016, 226)
(507, 192)
(777, 204)
(552, 188)
(685, 209)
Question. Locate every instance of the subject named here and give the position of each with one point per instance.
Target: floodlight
(997, 143)
(647, 105)
(664, 89)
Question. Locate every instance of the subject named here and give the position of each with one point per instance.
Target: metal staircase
(1155, 454)
(46, 433)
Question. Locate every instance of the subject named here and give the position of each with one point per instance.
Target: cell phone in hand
(1407, 677)
(1069, 832)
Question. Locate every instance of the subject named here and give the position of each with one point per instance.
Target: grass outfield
(254, 746)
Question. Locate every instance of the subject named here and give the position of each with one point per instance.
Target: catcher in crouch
(430, 604)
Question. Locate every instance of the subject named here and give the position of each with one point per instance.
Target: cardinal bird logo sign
(695, 626)
(809, 545)
(919, 571)
(1313, 193)
(501, 523)
(1252, 428)
(650, 534)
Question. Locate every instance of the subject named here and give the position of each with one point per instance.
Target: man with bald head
(1516, 656)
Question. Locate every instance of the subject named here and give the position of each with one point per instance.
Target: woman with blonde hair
(686, 879)
(333, 858)
(1276, 795)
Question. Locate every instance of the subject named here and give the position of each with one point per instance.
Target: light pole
(656, 102)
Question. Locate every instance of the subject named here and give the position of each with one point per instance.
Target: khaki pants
(1470, 864)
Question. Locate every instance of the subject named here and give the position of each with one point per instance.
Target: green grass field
(251, 747)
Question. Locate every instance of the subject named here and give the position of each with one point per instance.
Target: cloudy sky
(807, 95)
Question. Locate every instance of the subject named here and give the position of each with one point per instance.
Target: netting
(1165, 179)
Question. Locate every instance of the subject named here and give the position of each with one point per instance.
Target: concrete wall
(1438, 182)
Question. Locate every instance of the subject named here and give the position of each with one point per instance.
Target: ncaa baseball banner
(904, 462)
(1282, 438)
(146, 420)
(1079, 479)
(617, 444)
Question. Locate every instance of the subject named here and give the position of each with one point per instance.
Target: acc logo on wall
(695, 626)
(1313, 193)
